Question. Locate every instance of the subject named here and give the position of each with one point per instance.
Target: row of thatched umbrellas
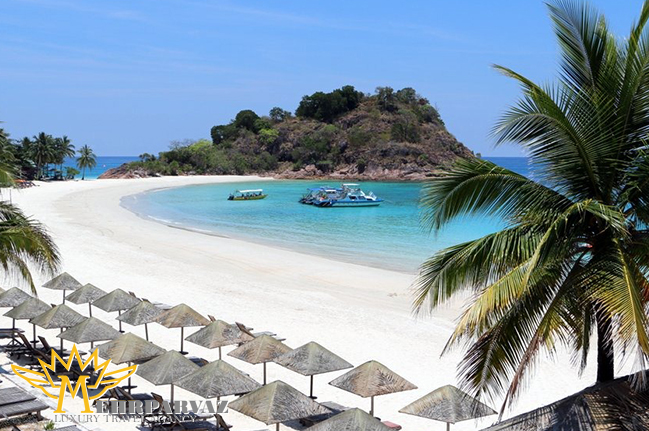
(271, 403)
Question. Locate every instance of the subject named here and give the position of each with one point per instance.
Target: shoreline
(267, 243)
(358, 312)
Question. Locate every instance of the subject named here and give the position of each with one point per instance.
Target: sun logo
(97, 378)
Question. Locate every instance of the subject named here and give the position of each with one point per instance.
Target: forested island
(341, 134)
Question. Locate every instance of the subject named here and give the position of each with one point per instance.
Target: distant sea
(104, 163)
(390, 236)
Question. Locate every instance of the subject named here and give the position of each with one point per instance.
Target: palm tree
(64, 148)
(42, 151)
(573, 258)
(24, 242)
(86, 159)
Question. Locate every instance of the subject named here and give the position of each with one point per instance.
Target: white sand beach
(359, 313)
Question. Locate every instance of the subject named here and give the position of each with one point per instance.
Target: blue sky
(127, 77)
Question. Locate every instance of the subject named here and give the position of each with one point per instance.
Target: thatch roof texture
(129, 348)
(144, 312)
(181, 316)
(60, 316)
(372, 379)
(85, 294)
(167, 368)
(90, 331)
(261, 349)
(218, 334)
(312, 359)
(351, 420)
(13, 297)
(28, 309)
(217, 379)
(448, 404)
(277, 402)
(63, 281)
(117, 300)
(614, 405)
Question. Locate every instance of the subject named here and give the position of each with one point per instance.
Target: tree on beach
(42, 151)
(63, 148)
(23, 242)
(86, 159)
(572, 260)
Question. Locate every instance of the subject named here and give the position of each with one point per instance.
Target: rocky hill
(390, 135)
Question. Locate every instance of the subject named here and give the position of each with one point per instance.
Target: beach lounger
(64, 353)
(16, 402)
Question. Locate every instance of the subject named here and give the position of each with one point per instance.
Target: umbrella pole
(146, 331)
(34, 340)
(372, 406)
(13, 331)
(90, 309)
(311, 391)
(182, 339)
(448, 426)
(264, 374)
(92, 345)
(64, 296)
(119, 313)
(172, 398)
(277, 426)
(129, 382)
(219, 352)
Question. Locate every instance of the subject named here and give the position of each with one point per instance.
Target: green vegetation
(572, 260)
(86, 160)
(24, 243)
(33, 158)
(343, 130)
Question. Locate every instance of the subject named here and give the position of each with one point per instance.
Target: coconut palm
(24, 242)
(64, 148)
(86, 159)
(573, 258)
(42, 151)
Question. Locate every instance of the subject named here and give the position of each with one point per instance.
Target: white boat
(350, 195)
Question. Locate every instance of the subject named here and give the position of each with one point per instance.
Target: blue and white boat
(320, 193)
(350, 195)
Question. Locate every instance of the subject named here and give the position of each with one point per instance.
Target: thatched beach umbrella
(13, 298)
(372, 379)
(63, 282)
(166, 369)
(142, 314)
(312, 359)
(86, 294)
(277, 402)
(217, 379)
(614, 405)
(260, 350)
(60, 317)
(218, 334)
(129, 348)
(351, 420)
(448, 404)
(117, 300)
(181, 316)
(28, 309)
(90, 331)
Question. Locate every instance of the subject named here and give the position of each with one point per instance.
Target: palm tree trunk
(83, 175)
(605, 349)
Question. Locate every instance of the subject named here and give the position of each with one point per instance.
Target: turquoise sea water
(103, 164)
(390, 236)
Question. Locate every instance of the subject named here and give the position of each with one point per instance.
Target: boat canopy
(250, 191)
(351, 185)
